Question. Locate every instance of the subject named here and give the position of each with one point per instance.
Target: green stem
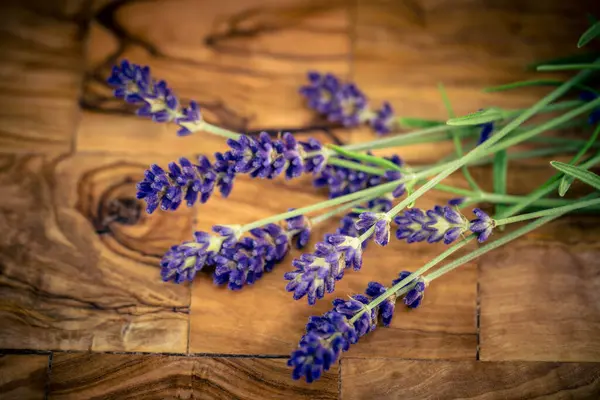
(325, 216)
(567, 67)
(396, 288)
(456, 139)
(216, 130)
(386, 187)
(491, 246)
(548, 187)
(491, 145)
(552, 211)
(355, 166)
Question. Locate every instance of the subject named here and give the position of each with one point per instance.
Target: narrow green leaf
(573, 59)
(418, 123)
(374, 160)
(567, 181)
(567, 67)
(534, 82)
(500, 170)
(478, 117)
(456, 139)
(591, 33)
(565, 184)
(578, 173)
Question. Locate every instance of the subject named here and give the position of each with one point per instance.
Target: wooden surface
(79, 276)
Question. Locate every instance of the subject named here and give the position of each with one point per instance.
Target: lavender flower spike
(316, 273)
(184, 181)
(416, 225)
(328, 335)
(134, 84)
(182, 262)
(384, 121)
(381, 222)
(483, 225)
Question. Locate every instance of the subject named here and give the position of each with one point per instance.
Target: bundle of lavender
(376, 194)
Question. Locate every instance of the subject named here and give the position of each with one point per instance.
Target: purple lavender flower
(350, 247)
(414, 296)
(266, 158)
(298, 227)
(342, 181)
(486, 132)
(224, 167)
(135, 85)
(383, 122)
(381, 222)
(321, 92)
(594, 116)
(315, 163)
(183, 261)
(483, 225)
(243, 262)
(186, 181)
(387, 307)
(351, 108)
(315, 273)
(328, 335)
(416, 225)
(456, 201)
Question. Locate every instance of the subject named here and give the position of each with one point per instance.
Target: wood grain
(23, 376)
(41, 71)
(405, 379)
(233, 57)
(264, 319)
(79, 260)
(539, 299)
(76, 376)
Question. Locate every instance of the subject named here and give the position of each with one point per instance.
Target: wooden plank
(79, 258)
(76, 376)
(23, 376)
(264, 319)
(412, 379)
(539, 296)
(242, 61)
(41, 69)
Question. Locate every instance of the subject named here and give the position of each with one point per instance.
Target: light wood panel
(79, 259)
(76, 376)
(23, 376)
(41, 72)
(413, 379)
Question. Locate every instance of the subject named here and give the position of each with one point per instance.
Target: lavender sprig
(135, 85)
(327, 336)
(345, 103)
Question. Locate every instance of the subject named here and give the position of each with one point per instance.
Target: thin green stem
(355, 166)
(491, 145)
(552, 211)
(397, 287)
(548, 187)
(216, 130)
(386, 187)
(567, 67)
(325, 216)
(491, 246)
(456, 139)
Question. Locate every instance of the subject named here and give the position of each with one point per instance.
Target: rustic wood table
(83, 312)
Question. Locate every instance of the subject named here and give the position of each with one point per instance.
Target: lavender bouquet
(373, 195)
